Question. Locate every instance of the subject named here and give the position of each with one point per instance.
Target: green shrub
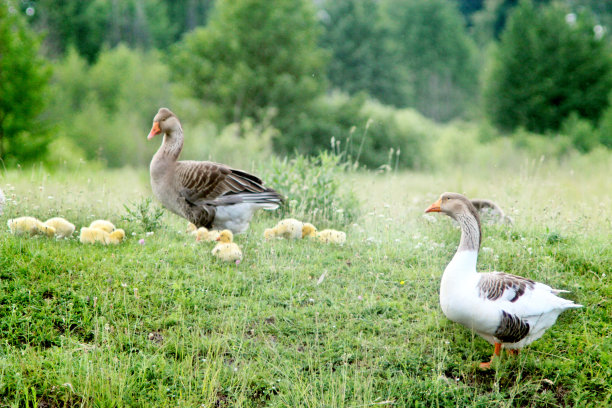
(581, 132)
(145, 216)
(106, 109)
(313, 187)
(365, 131)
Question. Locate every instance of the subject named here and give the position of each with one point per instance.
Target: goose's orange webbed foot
(496, 352)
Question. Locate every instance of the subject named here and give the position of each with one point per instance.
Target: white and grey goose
(508, 311)
(208, 194)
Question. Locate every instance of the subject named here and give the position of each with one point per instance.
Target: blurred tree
(253, 56)
(549, 64)
(430, 41)
(106, 108)
(186, 15)
(360, 60)
(23, 82)
(89, 26)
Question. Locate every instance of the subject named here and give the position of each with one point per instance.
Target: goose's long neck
(465, 259)
(171, 147)
(470, 232)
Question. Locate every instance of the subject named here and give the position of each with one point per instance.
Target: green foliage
(313, 188)
(360, 59)
(363, 130)
(431, 44)
(583, 135)
(92, 25)
(106, 109)
(605, 125)
(24, 79)
(546, 68)
(144, 214)
(253, 56)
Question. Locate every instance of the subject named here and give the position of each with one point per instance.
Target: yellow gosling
(289, 228)
(116, 237)
(29, 226)
(204, 234)
(191, 228)
(309, 230)
(226, 250)
(330, 236)
(270, 233)
(63, 228)
(103, 225)
(94, 235)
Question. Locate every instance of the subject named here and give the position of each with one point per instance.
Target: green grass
(163, 324)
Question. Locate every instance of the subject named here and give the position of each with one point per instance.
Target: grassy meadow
(301, 324)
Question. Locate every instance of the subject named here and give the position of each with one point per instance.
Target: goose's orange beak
(435, 207)
(218, 238)
(155, 130)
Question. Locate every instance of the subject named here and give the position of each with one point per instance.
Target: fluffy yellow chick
(330, 236)
(93, 235)
(226, 250)
(270, 233)
(30, 226)
(203, 234)
(63, 228)
(289, 228)
(116, 237)
(103, 225)
(191, 228)
(309, 230)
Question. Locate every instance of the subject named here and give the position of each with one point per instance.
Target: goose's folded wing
(499, 286)
(203, 181)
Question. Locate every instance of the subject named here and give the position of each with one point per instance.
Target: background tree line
(84, 78)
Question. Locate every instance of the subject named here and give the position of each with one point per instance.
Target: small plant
(144, 214)
(313, 188)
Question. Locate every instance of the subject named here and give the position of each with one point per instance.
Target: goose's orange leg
(513, 352)
(496, 352)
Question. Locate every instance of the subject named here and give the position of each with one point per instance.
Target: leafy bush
(546, 68)
(363, 130)
(106, 109)
(313, 188)
(581, 132)
(144, 214)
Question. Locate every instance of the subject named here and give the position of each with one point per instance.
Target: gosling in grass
(270, 233)
(226, 250)
(63, 228)
(289, 228)
(29, 226)
(94, 235)
(191, 228)
(492, 209)
(204, 234)
(330, 236)
(309, 230)
(103, 225)
(116, 237)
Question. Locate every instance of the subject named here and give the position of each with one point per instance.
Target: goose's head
(164, 122)
(309, 230)
(225, 237)
(270, 233)
(118, 234)
(453, 205)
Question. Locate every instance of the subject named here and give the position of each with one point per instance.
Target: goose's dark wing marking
(511, 328)
(495, 285)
